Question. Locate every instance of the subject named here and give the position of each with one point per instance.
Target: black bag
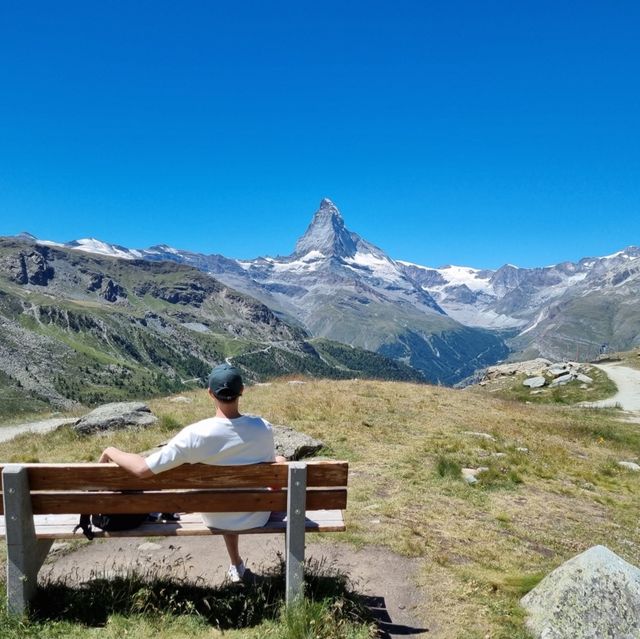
(119, 521)
(110, 522)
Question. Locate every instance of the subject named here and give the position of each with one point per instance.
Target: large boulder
(561, 380)
(115, 416)
(294, 445)
(595, 595)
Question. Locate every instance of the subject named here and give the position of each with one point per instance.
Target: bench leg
(296, 506)
(25, 553)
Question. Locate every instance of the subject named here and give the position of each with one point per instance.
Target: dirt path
(44, 426)
(388, 581)
(628, 382)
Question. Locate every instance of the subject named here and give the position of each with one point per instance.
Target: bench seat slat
(93, 476)
(190, 524)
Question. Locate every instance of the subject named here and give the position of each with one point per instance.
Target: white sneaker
(236, 573)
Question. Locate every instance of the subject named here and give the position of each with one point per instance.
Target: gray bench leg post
(25, 553)
(296, 506)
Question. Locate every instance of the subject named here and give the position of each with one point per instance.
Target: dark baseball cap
(225, 382)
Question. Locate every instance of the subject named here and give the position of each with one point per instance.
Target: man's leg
(232, 543)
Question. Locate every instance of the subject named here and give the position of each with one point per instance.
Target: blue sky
(476, 133)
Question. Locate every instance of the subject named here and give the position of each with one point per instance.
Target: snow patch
(459, 275)
(541, 315)
(380, 266)
(91, 245)
(50, 243)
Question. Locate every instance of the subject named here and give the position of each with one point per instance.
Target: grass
(553, 487)
(158, 601)
(627, 358)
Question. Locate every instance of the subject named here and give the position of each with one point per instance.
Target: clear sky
(473, 132)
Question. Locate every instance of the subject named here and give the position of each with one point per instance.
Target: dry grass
(480, 547)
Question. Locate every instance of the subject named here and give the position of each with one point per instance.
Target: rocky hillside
(87, 328)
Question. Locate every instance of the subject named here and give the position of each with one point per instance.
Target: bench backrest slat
(92, 487)
(182, 501)
(90, 476)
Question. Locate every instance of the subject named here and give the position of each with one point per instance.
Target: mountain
(82, 327)
(555, 311)
(446, 322)
(338, 286)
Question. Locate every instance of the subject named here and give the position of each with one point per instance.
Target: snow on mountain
(336, 284)
(512, 296)
(91, 245)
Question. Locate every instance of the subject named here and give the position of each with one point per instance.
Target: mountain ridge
(334, 283)
(83, 328)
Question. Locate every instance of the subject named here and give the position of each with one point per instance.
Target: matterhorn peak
(327, 234)
(327, 206)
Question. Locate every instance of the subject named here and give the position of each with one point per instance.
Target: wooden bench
(42, 502)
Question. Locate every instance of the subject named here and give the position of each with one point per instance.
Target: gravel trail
(44, 426)
(628, 382)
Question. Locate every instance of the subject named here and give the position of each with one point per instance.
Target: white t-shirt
(220, 442)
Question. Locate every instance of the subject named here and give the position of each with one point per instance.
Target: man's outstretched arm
(131, 462)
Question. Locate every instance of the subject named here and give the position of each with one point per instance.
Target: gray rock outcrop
(530, 367)
(541, 372)
(294, 445)
(595, 595)
(115, 416)
(563, 379)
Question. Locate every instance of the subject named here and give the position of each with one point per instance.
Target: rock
(585, 379)
(181, 399)
(294, 445)
(499, 455)
(115, 416)
(536, 392)
(522, 449)
(530, 367)
(470, 475)
(593, 595)
(558, 369)
(483, 435)
(562, 380)
(534, 382)
(629, 465)
(295, 382)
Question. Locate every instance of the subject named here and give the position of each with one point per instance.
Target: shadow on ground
(377, 608)
(259, 598)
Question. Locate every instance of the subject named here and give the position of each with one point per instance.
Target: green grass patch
(448, 467)
(141, 603)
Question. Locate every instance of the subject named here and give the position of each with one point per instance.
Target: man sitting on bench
(226, 439)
